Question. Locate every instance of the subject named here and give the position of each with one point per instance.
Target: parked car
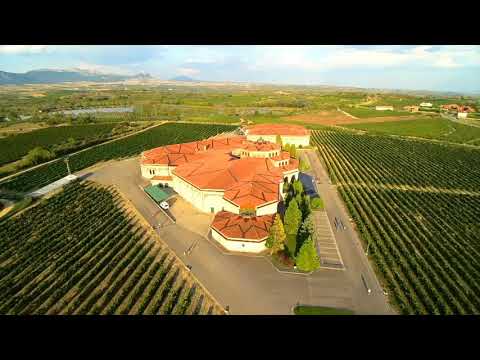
(164, 205)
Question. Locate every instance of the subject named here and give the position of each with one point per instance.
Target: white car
(164, 205)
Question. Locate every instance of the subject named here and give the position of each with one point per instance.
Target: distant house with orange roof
(458, 108)
(226, 176)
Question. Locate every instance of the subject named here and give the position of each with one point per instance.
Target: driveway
(247, 284)
(348, 242)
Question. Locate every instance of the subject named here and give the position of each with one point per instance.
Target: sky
(416, 67)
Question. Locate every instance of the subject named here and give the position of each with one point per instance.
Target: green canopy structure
(157, 193)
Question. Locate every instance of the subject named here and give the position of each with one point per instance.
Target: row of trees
(293, 237)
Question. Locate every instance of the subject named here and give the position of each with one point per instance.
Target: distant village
(461, 110)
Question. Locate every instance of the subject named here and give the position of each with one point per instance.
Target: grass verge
(320, 310)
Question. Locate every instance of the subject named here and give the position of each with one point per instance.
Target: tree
(307, 229)
(37, 156)
(299, 200)
(303, 165)
(297, 187)
(293, 218)
(286, 147)
(291, 245)
(276, 240)
(278, 140)
(293, 151)
(307, 258)
(306, 207)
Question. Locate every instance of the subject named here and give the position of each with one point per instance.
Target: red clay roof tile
(234, 226)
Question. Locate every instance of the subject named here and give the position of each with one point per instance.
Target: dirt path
(344, 112)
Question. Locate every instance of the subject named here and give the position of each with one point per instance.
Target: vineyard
(416, 206)
(83, 251)
(129, 146)
(14, 147)
(431, 128)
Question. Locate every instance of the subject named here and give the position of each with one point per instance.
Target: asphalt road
(354, 258)
(249, 284)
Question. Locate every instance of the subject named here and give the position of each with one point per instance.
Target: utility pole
(68, 165)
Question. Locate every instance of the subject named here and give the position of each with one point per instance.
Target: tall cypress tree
(293, 217)
(277, 237)
(307, 258)
(278, 140)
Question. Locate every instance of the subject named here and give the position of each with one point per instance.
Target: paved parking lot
(248, 285)
(327, 245)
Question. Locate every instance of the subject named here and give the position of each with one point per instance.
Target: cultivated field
(85, 251)
(129, 146)
(416, 206)
(14, 147)
(363, 112)
(437, 128)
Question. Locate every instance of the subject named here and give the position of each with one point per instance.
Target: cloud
(104, 69)
(338, 57)
(22, 49)
(188, 71)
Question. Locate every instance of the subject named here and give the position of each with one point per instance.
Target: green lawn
(431, 128)
(320, 310)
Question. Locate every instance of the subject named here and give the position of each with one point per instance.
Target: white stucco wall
(160, 170)
(213, 200)
(203, 200)
(295, 140)
(238, 245)
(228, 206)
(290, 174)
(163, 182)
(267, 209)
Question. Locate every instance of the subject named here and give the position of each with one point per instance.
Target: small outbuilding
(384, 107)
(412, 108)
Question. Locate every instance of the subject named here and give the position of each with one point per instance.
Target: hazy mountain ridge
(63, 75)
(184, 78)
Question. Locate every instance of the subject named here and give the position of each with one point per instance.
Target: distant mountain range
(183, 78)
(48, 76)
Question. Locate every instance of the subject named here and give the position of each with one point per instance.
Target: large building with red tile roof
(290, 134)
(229, 177)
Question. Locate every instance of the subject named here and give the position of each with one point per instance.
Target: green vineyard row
(425, 244)
(82, 252)
(129, 146)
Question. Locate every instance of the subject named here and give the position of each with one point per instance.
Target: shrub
(284, 258)
(316, 203)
